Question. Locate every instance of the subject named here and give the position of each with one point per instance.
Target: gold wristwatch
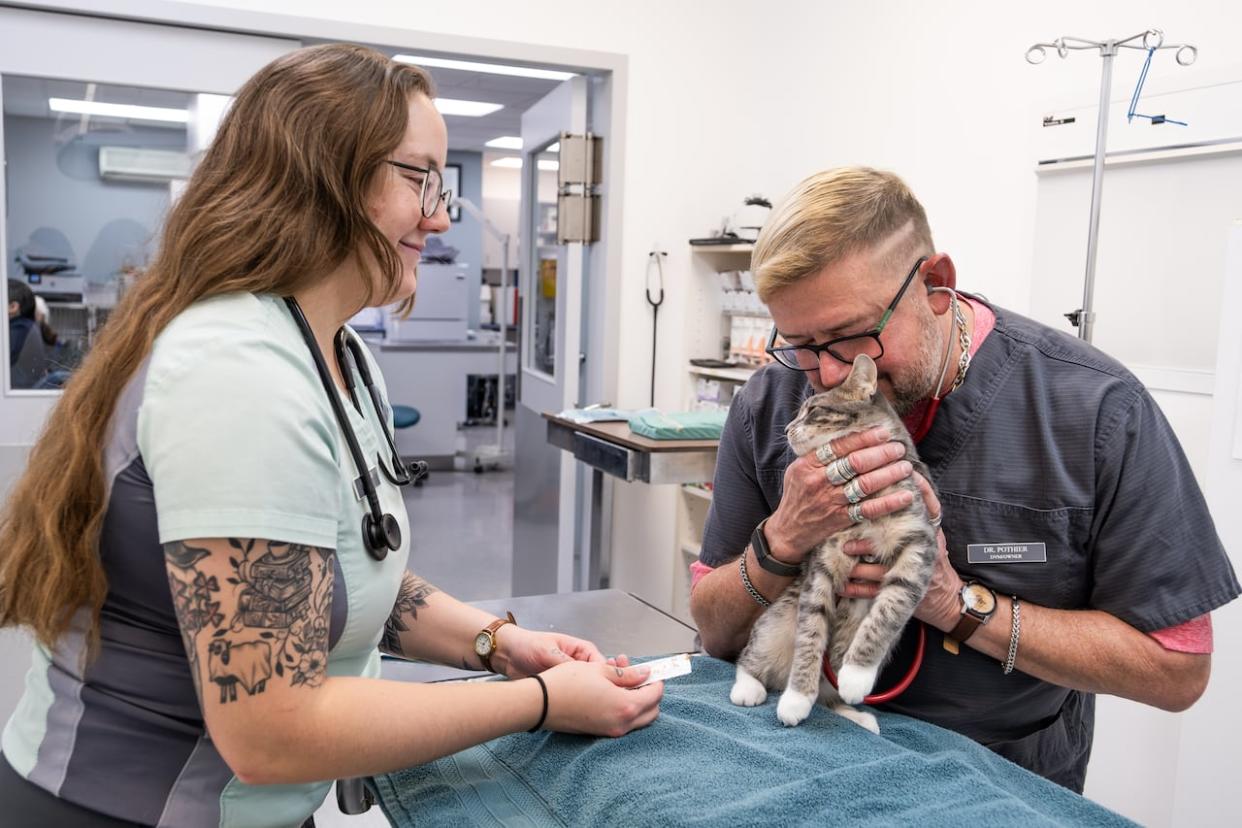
(485, 642)
(978, 605)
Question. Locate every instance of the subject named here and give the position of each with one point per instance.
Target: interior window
(90, 171)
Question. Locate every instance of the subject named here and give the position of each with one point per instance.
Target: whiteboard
(1161, 261)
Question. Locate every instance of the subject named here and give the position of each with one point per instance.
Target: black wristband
(760, 544)
(544, 714)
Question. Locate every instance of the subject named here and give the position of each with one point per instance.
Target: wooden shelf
(730, 374)
(698, 491)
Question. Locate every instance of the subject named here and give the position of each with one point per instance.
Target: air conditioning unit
(146, 165)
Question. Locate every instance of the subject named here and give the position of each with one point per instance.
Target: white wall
(752, 97)
(1206, 788)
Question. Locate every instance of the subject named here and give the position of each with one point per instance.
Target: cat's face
(834, 412)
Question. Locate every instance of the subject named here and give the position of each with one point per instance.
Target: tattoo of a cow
(229, 665)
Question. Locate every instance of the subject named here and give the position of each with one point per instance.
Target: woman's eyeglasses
(432, 183)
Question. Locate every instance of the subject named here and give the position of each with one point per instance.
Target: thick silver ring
(840, 471)
(935, 522)
(824, 454)
(855, 512)
(853, 491)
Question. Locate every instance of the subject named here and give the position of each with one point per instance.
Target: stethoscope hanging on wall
(380, 530)
(658, 256)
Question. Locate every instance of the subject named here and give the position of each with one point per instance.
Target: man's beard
(918, 381)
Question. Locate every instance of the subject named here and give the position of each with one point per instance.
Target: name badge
(996, 553)
(359, 490)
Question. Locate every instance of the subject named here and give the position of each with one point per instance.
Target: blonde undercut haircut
(830, 215)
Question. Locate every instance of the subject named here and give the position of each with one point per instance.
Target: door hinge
(578, 178)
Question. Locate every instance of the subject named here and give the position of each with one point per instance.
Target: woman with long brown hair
(208, 572)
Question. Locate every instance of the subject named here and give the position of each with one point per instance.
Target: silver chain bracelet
(754, 593)
(1014, 632)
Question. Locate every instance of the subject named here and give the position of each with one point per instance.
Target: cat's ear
(860, 384)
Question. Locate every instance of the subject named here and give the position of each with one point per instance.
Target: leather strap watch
(485, 642)
(978, 606)
(759, 542)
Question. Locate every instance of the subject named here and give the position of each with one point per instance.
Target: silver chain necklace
(963, 339)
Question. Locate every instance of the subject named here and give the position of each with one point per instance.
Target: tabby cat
(788, 641)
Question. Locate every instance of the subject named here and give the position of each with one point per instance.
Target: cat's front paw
(862, 718)
(794, 707)
(855, 682)
(747, 690)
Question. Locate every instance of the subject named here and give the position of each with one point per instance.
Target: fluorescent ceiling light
(489, 68)
(512, 162)
(513, 142)
(470, 109)
(137, 113)
(509, 142)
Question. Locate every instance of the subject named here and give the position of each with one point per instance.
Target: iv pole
(494, 455)
(1152, 39)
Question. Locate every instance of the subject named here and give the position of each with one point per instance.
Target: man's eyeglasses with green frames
(844, 348)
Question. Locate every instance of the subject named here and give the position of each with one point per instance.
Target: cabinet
(721, 298)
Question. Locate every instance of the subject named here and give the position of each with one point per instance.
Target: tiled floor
(461, 527)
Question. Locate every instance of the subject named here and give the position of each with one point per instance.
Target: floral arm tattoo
(410, 599)
(267, 621)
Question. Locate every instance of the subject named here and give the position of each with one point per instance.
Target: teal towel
(678, 425)
(706, 762)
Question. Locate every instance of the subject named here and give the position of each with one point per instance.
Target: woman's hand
(597, 699)
(521, 652)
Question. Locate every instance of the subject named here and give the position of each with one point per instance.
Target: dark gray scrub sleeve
(738, 502)
(1156, 560)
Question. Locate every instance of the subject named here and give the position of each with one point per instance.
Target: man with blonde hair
(1077, 555)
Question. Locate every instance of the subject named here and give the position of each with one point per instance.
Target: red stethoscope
(933, 405)
(898, 688)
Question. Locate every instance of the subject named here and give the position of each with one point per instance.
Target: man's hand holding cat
(812, 508)
(941, 606)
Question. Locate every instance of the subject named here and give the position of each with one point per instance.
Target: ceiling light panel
(468, 109)
(488, 68)
(509, 142)
(128, 111)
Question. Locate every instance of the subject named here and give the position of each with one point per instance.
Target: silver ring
(935, 522)
(853, 491)
(824, 454)
(855, 512)
(840, 471)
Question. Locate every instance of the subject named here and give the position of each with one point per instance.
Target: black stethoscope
(380, 531)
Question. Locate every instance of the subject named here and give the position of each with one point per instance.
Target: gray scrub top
(225, 431)
(1048, 441)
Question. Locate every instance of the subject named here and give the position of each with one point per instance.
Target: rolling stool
(407, 416)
